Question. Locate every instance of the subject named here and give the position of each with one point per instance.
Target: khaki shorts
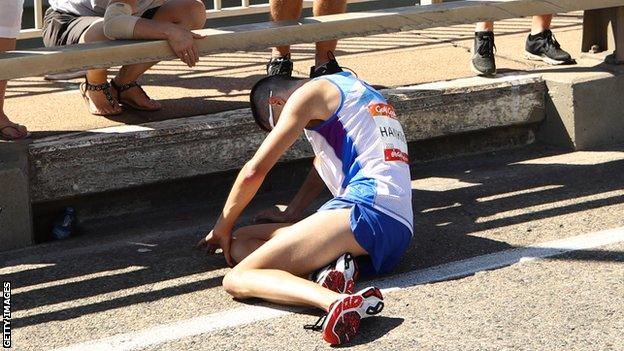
(60, 28)
(11, 18)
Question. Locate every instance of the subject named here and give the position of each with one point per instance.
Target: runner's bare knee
(94, 33)
(232, 284)
(191, 14)
(198, 11)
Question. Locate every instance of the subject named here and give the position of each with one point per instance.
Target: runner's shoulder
(322, 97)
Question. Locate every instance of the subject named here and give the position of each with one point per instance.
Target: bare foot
(137, 98)
(99, 103)
(10, 130)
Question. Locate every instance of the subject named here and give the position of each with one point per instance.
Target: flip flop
(14, 126)
(121, 88)
(104, 88)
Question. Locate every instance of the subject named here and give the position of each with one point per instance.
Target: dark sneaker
(483, 62)
(329, 67)
(339, 276)
(544, 47)
(342, 322)
(611, 59)
(282, 66)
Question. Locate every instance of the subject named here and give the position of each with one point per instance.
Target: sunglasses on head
(271, 120)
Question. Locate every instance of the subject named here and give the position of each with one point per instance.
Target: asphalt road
(158, 293)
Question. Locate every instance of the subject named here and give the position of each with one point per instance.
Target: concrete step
(96, 161)
(176, 173)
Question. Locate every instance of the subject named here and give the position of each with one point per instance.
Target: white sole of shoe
(548, 60)
(343, 321)
(336, 278)
(479, 73)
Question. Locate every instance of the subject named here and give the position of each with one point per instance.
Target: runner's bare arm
(305, 104)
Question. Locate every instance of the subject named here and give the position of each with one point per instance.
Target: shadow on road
(372, 329)
(454, 201)
(496, 191)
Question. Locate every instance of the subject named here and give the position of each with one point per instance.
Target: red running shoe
(342, 321)
(339, 276)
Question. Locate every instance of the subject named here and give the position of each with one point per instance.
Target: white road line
(245, 315)
(177, 330)
(505, 258)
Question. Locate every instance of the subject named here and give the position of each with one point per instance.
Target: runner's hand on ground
(213, 241)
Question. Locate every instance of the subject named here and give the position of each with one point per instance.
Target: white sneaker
(342, 321)
(339, 276)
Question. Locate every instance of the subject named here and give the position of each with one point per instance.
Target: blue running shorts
(383, 237)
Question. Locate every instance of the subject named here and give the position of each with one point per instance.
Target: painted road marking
(181, 329)
(463, 268)
(249, 314)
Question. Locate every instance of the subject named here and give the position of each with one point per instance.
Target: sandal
(104, 88)
(14, 126)
(123, 87)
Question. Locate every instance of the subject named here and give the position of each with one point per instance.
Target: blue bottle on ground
(64, 225)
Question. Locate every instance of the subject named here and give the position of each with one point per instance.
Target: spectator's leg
(10, 23)
(321, 8)
(14, 131)
(485, 27)
(483, 61)
(190, 14)
(540, 23)
(284, 10)
(98, 102)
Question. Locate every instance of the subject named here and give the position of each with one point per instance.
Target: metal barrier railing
(218, 11)
(259, 36)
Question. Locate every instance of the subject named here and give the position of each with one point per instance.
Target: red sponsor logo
(382, 110)
(396, 155)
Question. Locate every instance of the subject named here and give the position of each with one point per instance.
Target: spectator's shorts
(383, 237)
(60, 28)
(11, 18)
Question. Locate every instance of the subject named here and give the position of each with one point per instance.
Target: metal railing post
(38, 7)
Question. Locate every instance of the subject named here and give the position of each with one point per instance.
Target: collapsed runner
(362, 157)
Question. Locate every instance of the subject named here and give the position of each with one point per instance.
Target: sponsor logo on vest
(382, 110)
(396, 155)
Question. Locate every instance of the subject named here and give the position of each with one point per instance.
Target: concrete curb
(585, 109)
(122, 157)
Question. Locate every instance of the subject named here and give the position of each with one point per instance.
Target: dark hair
(259, 96)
